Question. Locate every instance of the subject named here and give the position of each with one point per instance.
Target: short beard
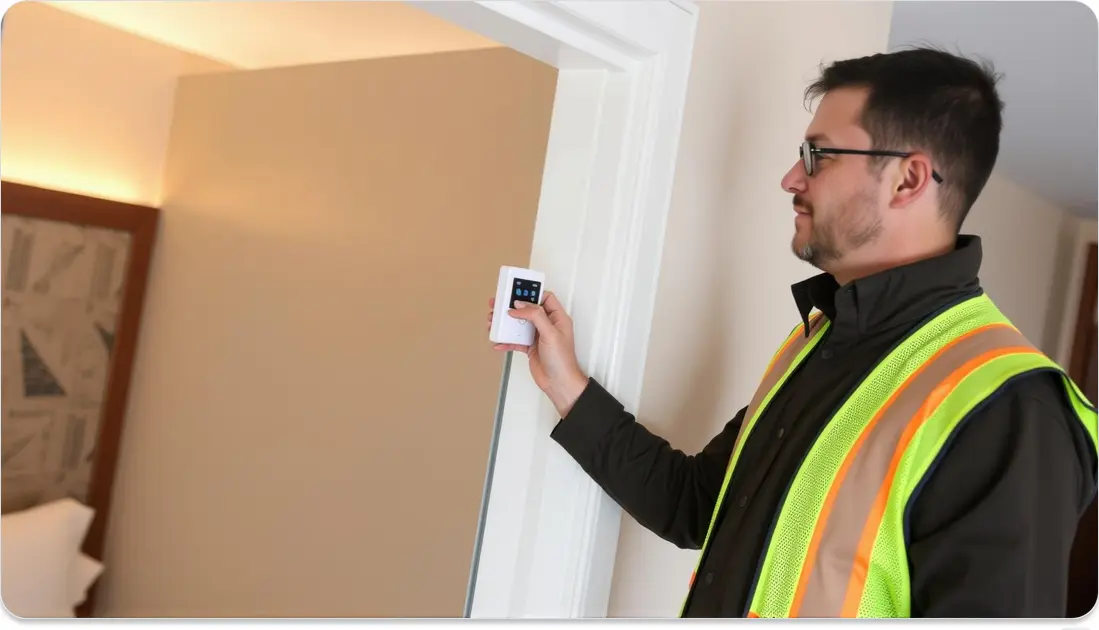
(859, 224)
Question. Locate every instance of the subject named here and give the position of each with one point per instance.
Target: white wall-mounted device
(515, 284)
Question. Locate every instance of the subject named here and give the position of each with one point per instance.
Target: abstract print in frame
(73, 277)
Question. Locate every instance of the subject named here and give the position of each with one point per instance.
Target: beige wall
(727, 251)
(1021, 235)
(310, 417)
(86, 108)
(1077, 233)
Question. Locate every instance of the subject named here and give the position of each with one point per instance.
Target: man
(907, 453)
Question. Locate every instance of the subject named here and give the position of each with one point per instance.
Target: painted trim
(492, 450)
(550, 533)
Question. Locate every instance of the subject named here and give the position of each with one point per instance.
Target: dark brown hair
(935, 102)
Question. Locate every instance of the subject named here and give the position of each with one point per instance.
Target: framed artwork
(73, 277)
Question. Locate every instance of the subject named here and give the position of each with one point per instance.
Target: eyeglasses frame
(813, 149)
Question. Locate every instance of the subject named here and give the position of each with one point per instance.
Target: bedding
(43, 572)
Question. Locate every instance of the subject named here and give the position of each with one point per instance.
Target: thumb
(534, 314)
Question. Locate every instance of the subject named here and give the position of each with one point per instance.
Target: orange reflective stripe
(780, 364)
(857, 580)
(776, 370)
(798, 332)
(837, 483)
(838, 546)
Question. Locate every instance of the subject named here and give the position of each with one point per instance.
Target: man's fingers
(544, 317)
(533, 314)
(554, 309)
(508, 347)
(551, 303)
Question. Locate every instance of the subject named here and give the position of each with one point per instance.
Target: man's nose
(795, 180)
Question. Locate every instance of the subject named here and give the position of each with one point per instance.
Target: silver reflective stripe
(869, 467)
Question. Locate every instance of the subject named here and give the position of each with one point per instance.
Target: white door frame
(550, 533)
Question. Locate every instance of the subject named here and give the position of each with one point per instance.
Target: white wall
(1022, 235)
(1072, 247)
(728, 241)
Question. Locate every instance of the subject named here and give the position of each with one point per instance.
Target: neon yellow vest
(837, 548)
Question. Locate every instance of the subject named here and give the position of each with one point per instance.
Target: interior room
(308, 421)
(247, 249)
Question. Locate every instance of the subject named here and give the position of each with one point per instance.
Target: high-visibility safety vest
(837, 547)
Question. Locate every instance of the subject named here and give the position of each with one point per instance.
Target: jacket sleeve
(991, 532)
(667, 491)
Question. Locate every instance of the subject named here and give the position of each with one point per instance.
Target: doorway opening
(255, 407)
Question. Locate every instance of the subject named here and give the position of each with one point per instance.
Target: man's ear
(913, 177)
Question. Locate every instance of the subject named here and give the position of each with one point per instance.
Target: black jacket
(992, 529)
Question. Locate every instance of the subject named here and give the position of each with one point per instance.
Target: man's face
(837, 208)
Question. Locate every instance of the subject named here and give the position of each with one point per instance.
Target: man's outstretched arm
(667, 491)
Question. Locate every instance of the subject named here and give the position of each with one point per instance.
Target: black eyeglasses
(809, 152)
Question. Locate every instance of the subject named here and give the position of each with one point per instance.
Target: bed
(74, 274)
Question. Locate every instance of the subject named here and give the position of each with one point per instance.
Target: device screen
(525, 291)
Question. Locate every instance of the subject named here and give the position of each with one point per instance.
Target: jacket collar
(893, 297)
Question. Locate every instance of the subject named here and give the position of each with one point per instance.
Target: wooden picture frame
(72, 264)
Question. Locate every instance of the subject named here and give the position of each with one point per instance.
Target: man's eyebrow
(817, 137)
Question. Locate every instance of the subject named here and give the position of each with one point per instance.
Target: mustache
(800, 201)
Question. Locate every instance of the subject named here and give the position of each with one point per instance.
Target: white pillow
(40, 567)
(84, 572)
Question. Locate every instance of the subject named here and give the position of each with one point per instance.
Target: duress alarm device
(515, 285)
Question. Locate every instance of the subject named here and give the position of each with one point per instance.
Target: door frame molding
(550, 534)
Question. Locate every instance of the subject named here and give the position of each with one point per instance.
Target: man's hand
(552, 357)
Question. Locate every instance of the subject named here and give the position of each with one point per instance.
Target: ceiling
(1048, 54)
(253, 35)
(1046, 50)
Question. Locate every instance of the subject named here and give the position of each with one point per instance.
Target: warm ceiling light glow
(86, 183)
(254, 35)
